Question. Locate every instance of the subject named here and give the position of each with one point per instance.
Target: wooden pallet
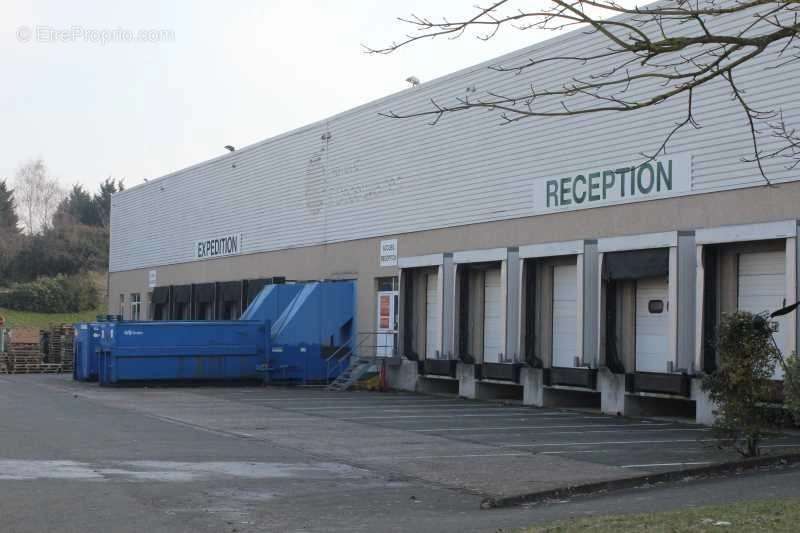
(25, 356)
(43, 368)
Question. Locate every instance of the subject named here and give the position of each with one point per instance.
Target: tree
(9, 231)
(674, 49)
(77, 208)
(102, 200)
(9, 222)
(37, 195)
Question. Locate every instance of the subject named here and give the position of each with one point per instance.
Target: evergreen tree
(77, 208)
(102, 200)
(8, 209)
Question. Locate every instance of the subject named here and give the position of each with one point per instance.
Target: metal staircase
(355, 370)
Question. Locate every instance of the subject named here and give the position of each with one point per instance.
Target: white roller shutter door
(652, 325)
(565, 310)
(432, 314)
(492, 317)
(762, 287)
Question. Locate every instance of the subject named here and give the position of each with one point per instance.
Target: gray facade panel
(358, 175)
(687, 284)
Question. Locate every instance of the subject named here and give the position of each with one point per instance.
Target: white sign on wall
(659, 178)
(218, 246)
(152, 279)
(388, 253)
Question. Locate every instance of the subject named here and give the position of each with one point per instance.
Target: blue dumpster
(298, 332)
(85, 351)
(183, 351)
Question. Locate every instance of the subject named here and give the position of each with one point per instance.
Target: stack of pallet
(66, 333)
(60, 344)
(3, 363)
(25, 356)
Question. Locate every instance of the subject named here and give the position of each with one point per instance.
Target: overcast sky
(224, 73)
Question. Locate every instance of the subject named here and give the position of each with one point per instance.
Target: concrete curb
(632, 482)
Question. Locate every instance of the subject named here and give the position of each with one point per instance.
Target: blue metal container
(85, 351)
(298, 332)
(272, 301)
(183, 350)
(313, 338)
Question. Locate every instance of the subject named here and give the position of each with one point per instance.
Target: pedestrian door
(432, 316)
(492, 316)
(652, 325)
(565, 320)
(387, 323)
(762, 287)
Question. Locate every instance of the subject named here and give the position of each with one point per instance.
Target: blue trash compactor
(292, 332)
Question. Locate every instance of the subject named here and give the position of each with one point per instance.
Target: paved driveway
(286, 459)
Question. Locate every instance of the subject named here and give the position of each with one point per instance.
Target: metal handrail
(362, 337)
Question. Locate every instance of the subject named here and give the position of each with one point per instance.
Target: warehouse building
(544, 260)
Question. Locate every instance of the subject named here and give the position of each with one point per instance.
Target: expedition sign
(218, 247)
(666, 176)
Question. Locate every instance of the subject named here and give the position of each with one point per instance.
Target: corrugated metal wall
(359, 175)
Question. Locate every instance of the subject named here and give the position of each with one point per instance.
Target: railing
(341, 358)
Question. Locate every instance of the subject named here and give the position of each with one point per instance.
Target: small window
(387, 284)
(655, 307)
(136, 306)
(122, 305)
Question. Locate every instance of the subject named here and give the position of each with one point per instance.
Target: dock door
(652, 325)
(762, 288)
(565, 315)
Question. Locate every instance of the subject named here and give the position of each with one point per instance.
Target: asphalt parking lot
(298, 459)
(508, 430)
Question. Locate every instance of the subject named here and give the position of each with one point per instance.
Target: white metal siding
(432, 316)
(762, 282)
(565, 319)
(358, 175)
(652, 329)
(492, 317)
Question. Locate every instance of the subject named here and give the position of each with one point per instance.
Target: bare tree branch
(674, 42)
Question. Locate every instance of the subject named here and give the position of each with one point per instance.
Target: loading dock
(252, 288)
(558, 303)
(485, 306)
(160, 306)
(229, 300)
(203, 301)
(426, 357)
(646, 323)
(181, 302)
(749, 267)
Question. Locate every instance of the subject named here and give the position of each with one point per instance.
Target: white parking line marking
(327, 406)
(667, 464)
(558, 452)
(605, 443)
(354, 399)
(456, 456)
(408, 407)
(494, 428)
(514, 416)
(640, 431)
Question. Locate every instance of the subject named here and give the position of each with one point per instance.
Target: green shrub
(791, 387)
(60, 294)
(742, 383)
